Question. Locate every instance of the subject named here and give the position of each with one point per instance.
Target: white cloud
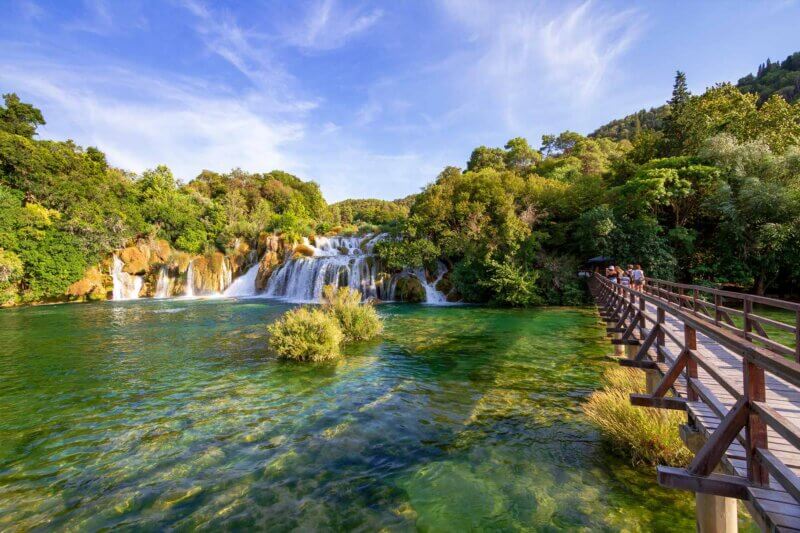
(327, 25)
(522, 51)
(96, 18)
(247, 51)
(180, 123)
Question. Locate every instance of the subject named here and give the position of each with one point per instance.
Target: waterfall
(126, 286)
(163, 284)
(338, 261)
(432, 296)
(244, 285)
(225, 275)
(189, 292)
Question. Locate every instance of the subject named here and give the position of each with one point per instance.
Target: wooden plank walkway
(711, 386)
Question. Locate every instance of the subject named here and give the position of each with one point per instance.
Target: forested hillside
(63, 208)
(782, 78)
(710, 193)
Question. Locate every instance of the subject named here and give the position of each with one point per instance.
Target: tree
(18, 117)
(483, 157)
(520, 156)
(673, 133)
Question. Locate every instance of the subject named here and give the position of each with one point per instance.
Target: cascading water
(337, 261)
(432, 296)
(244, 285)
(189, 292)
(126, 286)
(163, 284)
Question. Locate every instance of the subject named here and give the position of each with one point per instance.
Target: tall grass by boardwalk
(647, 435)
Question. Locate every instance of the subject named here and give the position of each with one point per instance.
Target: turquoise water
(173, 414)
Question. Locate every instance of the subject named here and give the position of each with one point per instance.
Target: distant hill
(781, 77)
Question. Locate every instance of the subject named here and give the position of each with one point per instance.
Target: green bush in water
(358, 321)
(306, 334)
(647, 435)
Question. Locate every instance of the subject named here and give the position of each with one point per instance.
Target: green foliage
(781, 78)
(358, 321)
(11, 270)
(378, 212)
(511, 285)
(399, 254)
(648, 436)
(306, 334)
(19, 118)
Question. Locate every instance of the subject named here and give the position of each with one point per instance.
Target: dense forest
(705, 188)
(781, 77)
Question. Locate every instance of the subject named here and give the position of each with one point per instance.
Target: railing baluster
(690, 343)
(717, 312)
(756, 429)
(660, 340)
(797, 336)
(748, 325)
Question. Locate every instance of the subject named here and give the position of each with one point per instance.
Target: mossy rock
(135, 259)
(303, 250)
(91, 283)
(266, 267)
(445, 285)
(161, 251)
(409, 290)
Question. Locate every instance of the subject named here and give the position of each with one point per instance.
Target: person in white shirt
(637, 278)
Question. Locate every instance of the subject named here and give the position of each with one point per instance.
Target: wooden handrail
(705, 300)
(630, 312)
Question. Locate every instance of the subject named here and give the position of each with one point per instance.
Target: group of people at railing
(633, 276)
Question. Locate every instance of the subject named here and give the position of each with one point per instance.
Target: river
(156, 414)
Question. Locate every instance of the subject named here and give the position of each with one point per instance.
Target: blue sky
(369, 99)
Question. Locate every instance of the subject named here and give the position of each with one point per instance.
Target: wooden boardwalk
(739, 387)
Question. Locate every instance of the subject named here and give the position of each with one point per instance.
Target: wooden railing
(720, 306)
(640, 318)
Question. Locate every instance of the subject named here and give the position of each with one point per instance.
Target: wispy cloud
(180, 122)
(249, 53)
(328, 25)
(95, 18)
(525, 47)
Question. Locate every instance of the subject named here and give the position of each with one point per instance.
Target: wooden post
(717, 312)
(690, 343)
(756, 429)
(748, 325)
(714, 514)
(797, 336)
(661, 339)
(642, 321)
(694, 300)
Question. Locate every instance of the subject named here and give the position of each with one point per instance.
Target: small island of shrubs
(317, 333)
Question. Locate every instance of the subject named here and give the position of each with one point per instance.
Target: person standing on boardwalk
(637, 278)
(624, 279)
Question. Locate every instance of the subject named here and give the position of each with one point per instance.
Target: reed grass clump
(649, 436)
(306, 334)
(358, 321)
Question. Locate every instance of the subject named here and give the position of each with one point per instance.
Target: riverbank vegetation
(648, 436)
(318, 333)
(707, 190)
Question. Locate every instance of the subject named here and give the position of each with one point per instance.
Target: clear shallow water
(158, 414)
